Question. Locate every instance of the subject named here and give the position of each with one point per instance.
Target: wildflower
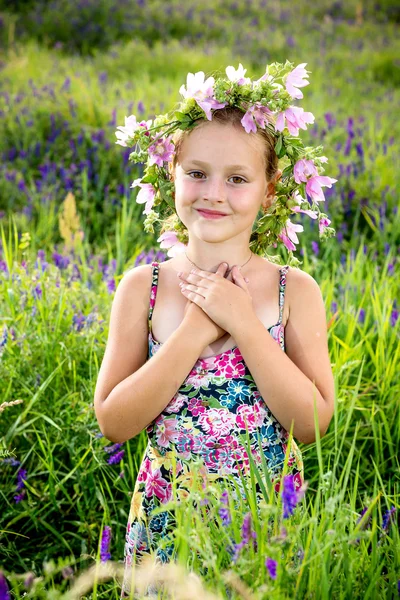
(296, 118)
(288, 234)
(29, 579)
(289, 496)
(201, 90)
(237, 75)
(115, 459)
(271, 565)
(170, 240)
(387, 518)
(247, 534)
(161, 151)
(113, 448)
(296, 79)
(128, 131)
(67, 572)
(105, 544)
(256, 114)
(224, 511)
(146, 195)
(21, 476)
(4, 591)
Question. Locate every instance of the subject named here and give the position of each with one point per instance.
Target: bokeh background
(70, 71)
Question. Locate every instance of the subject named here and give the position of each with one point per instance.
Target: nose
(215, 189)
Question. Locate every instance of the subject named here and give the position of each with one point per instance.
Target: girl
(215, 340)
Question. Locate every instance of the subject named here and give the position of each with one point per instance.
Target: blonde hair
(230, 115)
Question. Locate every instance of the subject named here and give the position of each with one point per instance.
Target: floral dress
(205, 421)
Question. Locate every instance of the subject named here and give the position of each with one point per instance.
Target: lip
(211, 215)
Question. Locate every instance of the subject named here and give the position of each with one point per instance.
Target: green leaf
(278, 146)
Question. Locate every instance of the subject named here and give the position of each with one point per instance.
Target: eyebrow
(230, 167)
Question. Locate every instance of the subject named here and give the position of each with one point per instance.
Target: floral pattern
(205, 423)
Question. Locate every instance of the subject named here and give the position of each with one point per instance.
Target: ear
(171, 171)
(270, 195)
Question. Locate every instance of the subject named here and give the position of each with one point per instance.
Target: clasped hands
(226, 302)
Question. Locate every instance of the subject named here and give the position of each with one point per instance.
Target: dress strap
(154, 286)
(282, 286)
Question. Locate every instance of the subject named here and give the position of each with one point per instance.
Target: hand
(200, 323)
(225, 302)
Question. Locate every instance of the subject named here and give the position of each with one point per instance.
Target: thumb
(222, 269)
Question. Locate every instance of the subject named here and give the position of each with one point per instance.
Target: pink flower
(237, 76)
(295, 80)
(299, 199)
(314, 189)
(161, 151)
(304, 169)
(252, 415)
(166, 431)
(288, 235)
(145, 470)
(306, 172)
(201, 90)
(324, 222)
(146, 195)
(256, 114)
(156, 485)
(169, 240)
(128, 131)
(217, 421)
(295, 118)
(176, 404)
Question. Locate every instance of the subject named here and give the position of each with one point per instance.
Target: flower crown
(266, 103)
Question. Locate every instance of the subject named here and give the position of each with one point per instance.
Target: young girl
(215, 340)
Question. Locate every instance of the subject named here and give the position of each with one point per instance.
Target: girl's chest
(168, 312)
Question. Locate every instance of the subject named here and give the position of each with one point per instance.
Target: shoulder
(302, 291)
(136, 280)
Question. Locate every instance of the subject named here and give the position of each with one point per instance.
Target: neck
(211, 263)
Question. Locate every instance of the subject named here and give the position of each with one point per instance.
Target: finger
(222, 269)
(238, 276)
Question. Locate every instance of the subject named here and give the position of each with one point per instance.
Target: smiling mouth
(211, 215)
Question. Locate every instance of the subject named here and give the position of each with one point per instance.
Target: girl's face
(220, 168)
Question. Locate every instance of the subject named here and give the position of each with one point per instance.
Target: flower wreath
(266, 103)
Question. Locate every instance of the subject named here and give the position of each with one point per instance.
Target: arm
(289, 381)
(140, 398)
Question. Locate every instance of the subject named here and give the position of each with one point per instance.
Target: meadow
(70, 228)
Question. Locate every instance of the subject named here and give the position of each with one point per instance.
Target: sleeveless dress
(205, 422)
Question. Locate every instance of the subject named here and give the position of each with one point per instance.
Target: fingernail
(246, 280)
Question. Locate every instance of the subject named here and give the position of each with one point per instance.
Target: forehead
(222, 144)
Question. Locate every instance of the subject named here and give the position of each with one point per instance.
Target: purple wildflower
(21, 476)
(4, 591)
(393, 317)
(361, 316)
(115, 459)
(271, 565)
(67, 572)
(387, 518)
(224, 511)
(247, 534)
(289, 496)
(113, 448)
(105, 544)
(19, 497)
(246, 529)
(364, 510)
(29, 579)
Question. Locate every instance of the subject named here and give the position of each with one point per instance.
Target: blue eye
(233, 176)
